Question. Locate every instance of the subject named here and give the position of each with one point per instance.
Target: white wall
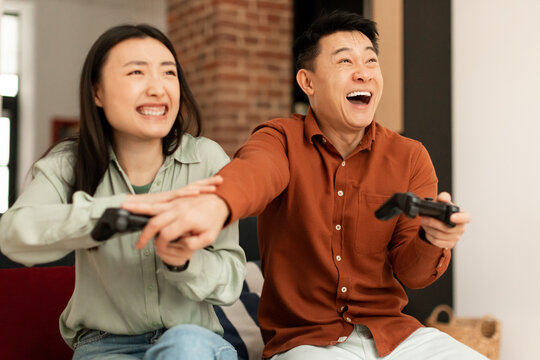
(60, 33)
(496, 134)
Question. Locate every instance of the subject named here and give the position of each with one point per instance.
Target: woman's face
(139, 90)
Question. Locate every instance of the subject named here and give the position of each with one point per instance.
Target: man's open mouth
(359, 97)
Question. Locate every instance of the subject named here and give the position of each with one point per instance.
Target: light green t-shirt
(120, 289)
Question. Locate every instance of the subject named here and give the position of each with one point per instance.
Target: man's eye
(345, 61)
(372, 60)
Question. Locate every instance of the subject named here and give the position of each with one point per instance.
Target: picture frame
(63, 128)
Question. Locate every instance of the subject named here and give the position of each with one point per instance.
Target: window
(9, 90)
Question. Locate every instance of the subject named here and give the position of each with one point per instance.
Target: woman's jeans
(182, 342)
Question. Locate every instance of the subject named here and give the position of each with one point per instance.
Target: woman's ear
(97, 96)
(303, 78)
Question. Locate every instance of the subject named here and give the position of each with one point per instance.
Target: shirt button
(150, 287)
(338, 258)
(323, 140)
(348, 319)
(338, 227)
(340, 193)
(158, 182)
(344, 289)
(343, 163)
(146, 252)
(342, 308)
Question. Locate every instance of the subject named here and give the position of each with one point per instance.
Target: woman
(135, 110)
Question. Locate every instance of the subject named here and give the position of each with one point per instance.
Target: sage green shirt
(120, 289)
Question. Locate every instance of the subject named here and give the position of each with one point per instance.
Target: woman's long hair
(95, 135)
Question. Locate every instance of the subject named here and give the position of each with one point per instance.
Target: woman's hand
(152, 204)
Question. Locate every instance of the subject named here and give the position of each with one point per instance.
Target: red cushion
(31, 300)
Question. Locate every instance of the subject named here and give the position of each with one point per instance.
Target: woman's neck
(140, 160)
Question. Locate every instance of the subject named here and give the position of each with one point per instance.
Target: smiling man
(332, 270)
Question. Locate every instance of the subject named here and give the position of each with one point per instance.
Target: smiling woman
(135, 112)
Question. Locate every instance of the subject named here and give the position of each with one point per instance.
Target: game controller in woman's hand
(117, 220)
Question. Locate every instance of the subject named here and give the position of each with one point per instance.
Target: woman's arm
(46, 222)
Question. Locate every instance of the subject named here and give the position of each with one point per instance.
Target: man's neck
(345, 143)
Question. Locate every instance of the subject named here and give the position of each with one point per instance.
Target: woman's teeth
(152, 110)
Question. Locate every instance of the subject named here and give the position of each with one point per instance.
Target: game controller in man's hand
(117, 220)
(411, 205)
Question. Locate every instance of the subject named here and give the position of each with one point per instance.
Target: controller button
(340, 193)
(338, 227)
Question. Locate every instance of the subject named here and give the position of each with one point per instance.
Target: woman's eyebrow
(142, 62)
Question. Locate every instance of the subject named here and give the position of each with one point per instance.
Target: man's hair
(307, 46)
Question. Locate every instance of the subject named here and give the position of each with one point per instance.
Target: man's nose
(362, 74)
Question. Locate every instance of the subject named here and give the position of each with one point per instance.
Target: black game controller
(117, 220)
(411, 205)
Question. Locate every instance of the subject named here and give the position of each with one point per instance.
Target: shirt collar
(312, 130)
(311, 127)
(187, 152)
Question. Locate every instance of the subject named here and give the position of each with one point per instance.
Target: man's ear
(303, 78)
(97, 96)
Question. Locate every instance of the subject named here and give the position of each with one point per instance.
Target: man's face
(345, 85)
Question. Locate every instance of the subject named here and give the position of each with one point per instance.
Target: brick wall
(237, 56)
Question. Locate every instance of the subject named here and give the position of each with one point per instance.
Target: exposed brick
(236, 56)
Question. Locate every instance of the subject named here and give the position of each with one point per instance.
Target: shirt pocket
(372, 234)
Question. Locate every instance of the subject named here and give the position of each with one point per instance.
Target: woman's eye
(345, 61)
(372, 60)
(135, 72)
(171, 73)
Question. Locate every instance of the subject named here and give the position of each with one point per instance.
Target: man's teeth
(358, 93)
(153, 111)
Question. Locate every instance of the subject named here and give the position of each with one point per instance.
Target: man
(331, 268)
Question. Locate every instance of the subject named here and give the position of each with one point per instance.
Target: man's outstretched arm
(259, 172)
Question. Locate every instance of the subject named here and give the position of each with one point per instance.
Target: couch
(31, 300)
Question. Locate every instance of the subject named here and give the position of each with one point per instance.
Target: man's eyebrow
(142, 62)
(349, 49)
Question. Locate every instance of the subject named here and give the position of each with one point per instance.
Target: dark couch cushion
(239, 320)
(31, 301)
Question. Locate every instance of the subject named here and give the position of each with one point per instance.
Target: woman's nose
(155, 87)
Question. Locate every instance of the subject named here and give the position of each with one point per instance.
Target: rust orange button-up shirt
(328, 263)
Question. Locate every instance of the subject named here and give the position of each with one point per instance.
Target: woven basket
(481, 334)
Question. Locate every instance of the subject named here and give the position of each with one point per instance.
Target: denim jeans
(182, 342)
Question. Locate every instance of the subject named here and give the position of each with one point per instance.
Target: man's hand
(441, 235)
(180, 225)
